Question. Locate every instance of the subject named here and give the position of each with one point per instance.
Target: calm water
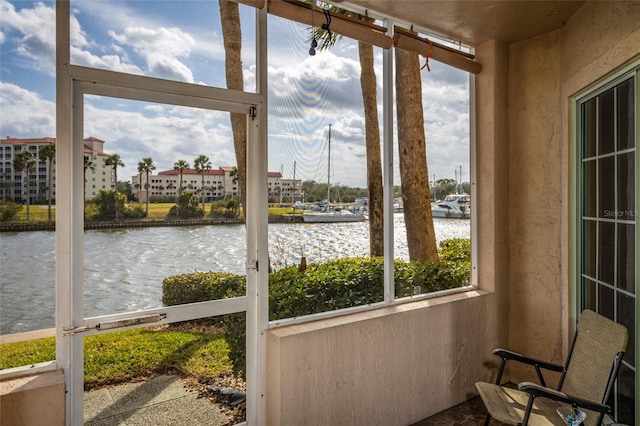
(124, 268)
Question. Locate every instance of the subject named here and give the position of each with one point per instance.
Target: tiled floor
(468, 413)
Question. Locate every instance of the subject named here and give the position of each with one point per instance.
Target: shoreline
(51, 226)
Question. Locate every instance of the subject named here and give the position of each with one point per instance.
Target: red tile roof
(16, 141)
(45, 140)
(213, 172)
(173, 172)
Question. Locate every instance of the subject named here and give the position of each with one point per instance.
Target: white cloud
(25, 113)
(161, 49)
(171, 41)
(163, 132)
(36, 28)
(168, 67)
(109, 62)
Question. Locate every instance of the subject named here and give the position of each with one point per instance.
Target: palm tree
(88, 164)
(368, 83)
(232, 37)
(374, 160)
(235, 177)
(180, 165)
(146, 166)
(202, 164)
(25, 161)
(114, 161)
(7, 187)
(48, 153)
(421, 238)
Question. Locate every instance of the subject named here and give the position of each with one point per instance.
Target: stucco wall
(36, 400)
(392, 366)
(543, 73)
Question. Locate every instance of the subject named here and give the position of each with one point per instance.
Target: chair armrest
(536, 391)
(506, 354)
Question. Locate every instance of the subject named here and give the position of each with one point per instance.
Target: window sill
(386, 308)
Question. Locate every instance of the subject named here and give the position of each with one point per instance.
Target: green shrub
(105, 203)
(201, 286)
(9, 210)
(90, 212)
(186, 207)
(224, 208)
(322, 287)
(135, 211)
(455, 249)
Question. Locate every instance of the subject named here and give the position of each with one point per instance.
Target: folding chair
(586, 380)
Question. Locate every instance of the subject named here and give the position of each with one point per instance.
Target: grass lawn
(37, 213)
(157, 211)
(194, 351)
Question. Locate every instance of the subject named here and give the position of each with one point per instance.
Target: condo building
(17, 186)
(218, 184)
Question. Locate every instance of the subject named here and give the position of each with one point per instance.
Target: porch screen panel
(608, 222)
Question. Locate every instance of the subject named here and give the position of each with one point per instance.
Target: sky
(182, 41)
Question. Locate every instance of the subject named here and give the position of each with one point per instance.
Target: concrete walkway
(161, 401)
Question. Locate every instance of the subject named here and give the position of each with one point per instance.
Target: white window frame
(576, 100)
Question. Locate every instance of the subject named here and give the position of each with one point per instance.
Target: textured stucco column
(535, 211)
(491, 202)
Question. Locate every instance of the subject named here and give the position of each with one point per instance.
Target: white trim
(28, 370)
(387, 172)
(373, 306)
(171, 314)
(167, 91)
(256, 220)
(473, 178)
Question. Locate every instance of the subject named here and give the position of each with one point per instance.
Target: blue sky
(182, 41)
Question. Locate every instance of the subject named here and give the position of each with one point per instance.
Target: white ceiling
(476, 21)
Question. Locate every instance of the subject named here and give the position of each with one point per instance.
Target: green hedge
(9, 210)
(322, 287)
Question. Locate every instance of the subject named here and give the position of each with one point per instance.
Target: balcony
(405, 363)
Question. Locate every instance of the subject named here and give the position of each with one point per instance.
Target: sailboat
(331, 214)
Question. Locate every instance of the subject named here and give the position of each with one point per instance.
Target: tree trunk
(115, 176)
(147, 188)
(28, 196)
(50, 170)
(374, 162)
(421, 238)
(202, 191)
(232, 35)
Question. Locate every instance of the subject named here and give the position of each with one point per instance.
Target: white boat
(331, 213)
(454, 206)
(398, 205)
(335, 215)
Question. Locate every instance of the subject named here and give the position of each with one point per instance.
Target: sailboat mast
(329, 171)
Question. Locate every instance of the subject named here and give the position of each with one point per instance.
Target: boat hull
(450, 215)
(322, 217)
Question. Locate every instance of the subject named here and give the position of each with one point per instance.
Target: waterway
(124, 268)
